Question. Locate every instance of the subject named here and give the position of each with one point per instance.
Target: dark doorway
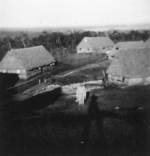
(7, 81)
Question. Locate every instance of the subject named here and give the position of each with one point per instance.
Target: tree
(24, 38)
(5, 45)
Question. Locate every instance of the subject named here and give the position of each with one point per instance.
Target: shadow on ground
(16, 109)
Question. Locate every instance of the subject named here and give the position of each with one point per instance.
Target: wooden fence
(81, 59)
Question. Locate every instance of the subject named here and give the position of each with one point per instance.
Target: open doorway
(7, 81)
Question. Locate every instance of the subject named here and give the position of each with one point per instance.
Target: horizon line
(75, 27)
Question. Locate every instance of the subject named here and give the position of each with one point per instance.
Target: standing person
(81, 94)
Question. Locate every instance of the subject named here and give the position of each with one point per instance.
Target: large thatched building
(26, 62)
(125, 45)
(95, 44)
(130, 66)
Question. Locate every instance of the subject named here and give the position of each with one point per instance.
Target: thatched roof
(131, 63)
(26, 58)
(112, 52)
(95, 42)
(130, 44)
(126, 45)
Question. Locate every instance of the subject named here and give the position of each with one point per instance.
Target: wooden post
(103, 73)
(45, 80)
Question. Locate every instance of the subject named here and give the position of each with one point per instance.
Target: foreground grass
(46, 126)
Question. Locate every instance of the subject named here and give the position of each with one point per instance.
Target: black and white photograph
(74, 77)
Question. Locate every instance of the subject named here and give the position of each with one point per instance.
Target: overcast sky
(61, 13)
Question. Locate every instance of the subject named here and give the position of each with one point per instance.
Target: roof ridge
(27, 48)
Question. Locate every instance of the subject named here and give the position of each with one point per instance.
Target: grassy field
(54, 124)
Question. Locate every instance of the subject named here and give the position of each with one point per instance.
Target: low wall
(128, 81)
(134, 81)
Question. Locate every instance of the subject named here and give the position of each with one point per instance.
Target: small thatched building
(26, 62)
(130, 66)
(125, 45)
(129, 44)
(95, 44)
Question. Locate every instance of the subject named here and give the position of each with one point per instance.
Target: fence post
(70, 62)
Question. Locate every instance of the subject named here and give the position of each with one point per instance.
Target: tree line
(59, 43)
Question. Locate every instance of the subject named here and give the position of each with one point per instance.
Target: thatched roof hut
(125, 45)
(94, 43)
(129, 44)
(131, 63)
(26, 59)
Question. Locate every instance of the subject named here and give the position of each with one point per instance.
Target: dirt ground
(54, 124)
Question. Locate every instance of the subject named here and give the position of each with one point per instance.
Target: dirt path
(77, 70)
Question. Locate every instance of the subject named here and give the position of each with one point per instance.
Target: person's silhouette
(94, 116)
